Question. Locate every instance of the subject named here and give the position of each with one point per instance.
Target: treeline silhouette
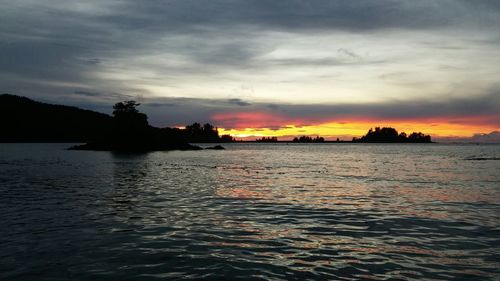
(196, 133)
(308, 139)
(267, 139)
(391, 135)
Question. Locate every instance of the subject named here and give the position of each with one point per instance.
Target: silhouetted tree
(126, 107)
(402, 137)
(128, 118)
(419, 137)
(198, 133)
(208, 128)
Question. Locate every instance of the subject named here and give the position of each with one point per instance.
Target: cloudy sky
(260, 67)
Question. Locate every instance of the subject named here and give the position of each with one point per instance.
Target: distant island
(25, 120)
(377, 135)
(391, 135)
(308, 139)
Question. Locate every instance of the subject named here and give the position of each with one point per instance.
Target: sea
(251, 212)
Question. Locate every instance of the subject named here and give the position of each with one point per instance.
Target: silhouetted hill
(25, 120)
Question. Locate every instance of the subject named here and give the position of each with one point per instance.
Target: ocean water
(253, 211)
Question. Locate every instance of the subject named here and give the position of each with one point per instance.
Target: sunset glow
(345, 131)
(248, 126)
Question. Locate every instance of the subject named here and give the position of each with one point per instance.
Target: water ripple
(339, 212)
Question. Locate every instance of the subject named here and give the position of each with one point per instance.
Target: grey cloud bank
(310, 59)
(182, 111)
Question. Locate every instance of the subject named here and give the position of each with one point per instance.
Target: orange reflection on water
(240, 193)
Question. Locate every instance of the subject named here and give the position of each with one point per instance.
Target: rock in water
(217, 147)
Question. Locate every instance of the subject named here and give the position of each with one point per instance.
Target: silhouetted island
(216, 147)
(390, 135)
(306, 139)
(130, 131)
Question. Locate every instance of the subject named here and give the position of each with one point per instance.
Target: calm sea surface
(253, 211)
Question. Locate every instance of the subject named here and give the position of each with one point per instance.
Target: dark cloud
(348, 53)
(329, 61)
(239, 102)
(181, 111)
(482, 110)
(40, 60)
(88, 94)
(297, 14)
(462, 110)
(93, 61)
(492, 137)
(154, 104)
(105, 96)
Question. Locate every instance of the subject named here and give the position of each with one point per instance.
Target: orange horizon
(248, 125)
(348, 130)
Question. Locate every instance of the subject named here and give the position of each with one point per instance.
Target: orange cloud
(249, 120)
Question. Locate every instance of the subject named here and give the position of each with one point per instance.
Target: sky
(262, 67)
